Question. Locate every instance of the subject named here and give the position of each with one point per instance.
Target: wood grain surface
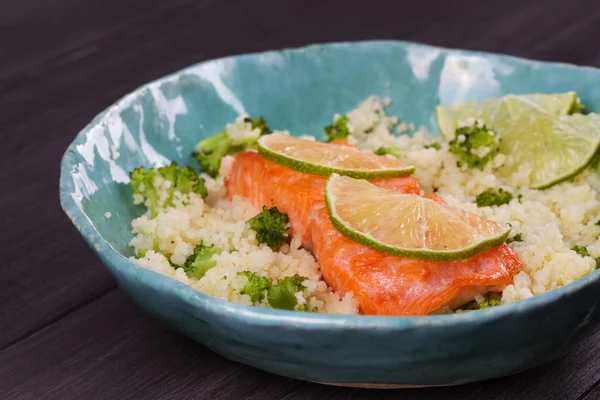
(66, 331)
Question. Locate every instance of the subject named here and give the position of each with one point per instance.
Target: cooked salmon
(382, 284)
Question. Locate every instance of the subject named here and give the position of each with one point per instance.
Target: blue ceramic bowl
(300, 90)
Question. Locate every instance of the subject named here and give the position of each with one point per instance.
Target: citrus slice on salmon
(407, 225)
(317, 158)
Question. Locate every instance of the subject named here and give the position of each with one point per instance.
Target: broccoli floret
(583, 252)
(282, 295)
(259, 123)
(210, 151)
(200, 261)
(517, 238)
(490, 198)
(141, 253)
(490, 303)
(271, 227)
(433, 145)
(183, 180)
(337, 130)
(142, 183)
(491, 300)
(475, 145)
(256, 286)
(394, 151)
(306, 308)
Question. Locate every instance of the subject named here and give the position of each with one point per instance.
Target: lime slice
(407, 225)
(536, 134)
(498, 110)
(554, 148)
(317, 158)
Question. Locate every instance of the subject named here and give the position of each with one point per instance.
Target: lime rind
(312, 168)
(484, 244)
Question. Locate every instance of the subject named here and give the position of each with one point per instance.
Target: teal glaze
(300, 90)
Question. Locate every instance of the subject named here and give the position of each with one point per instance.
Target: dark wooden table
(66, 330)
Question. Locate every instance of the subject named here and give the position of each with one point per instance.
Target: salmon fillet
(382, 284)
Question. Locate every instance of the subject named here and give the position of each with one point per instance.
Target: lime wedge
(407, 225)
(499, 110)
(536, 134)
(317, 158)
(554, 148)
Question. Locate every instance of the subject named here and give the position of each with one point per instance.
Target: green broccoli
(490, 303)
(433, 145)
(583, 252)
(259, 123)
(256, 286)
(475, 145)
(142, 183)
(306, 308)
(394, 151)
(183, 180)
(490, 198)
(271, 227)
(517, 238)
(200, 261)
(337, 130)
(491, 300)
(141, 253)
(282, 295)
(210, 151)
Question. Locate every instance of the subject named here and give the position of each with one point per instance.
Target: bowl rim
(115, 261)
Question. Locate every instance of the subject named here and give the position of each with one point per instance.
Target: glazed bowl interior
(299, 90)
